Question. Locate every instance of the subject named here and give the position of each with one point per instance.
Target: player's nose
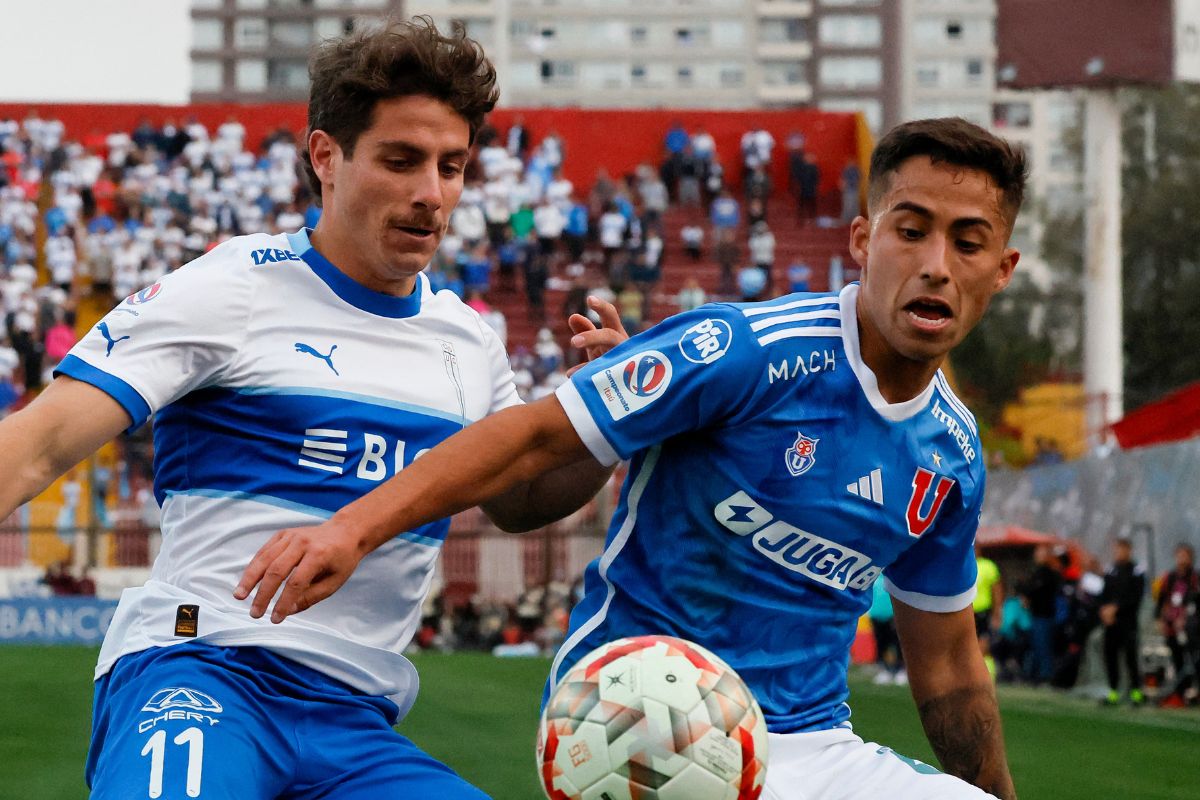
(935, 261)
(427, 189)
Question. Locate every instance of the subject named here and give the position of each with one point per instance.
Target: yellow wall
(1054, 411)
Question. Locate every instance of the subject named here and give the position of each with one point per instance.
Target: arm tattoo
(963, 727)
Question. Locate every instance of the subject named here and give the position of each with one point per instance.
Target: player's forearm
(963, 727)
(470, 468)
(549, 497)
(26, 461)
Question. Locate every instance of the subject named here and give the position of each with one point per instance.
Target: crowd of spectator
(119, 209)
(1035, 626)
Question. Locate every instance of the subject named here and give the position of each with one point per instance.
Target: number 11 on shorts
(156, 748)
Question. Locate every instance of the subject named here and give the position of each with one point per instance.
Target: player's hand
(310, 563)
(1108, 614)
(593, 341)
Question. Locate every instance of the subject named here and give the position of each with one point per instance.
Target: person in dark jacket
(1124, 587)
(1178, 613)
(1043, 589)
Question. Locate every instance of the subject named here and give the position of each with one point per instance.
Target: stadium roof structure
(1171, 419)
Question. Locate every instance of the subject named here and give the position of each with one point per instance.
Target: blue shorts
(218, 723)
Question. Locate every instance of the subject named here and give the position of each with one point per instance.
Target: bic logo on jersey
(144, 296)
(706, 341)
(634, 383)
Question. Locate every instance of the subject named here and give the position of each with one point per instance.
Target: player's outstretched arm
(558, 493)
(955, 696)
(64, 425)
(482, 461)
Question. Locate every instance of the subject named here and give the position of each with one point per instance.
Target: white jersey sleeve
(504, 390)
(170, 338)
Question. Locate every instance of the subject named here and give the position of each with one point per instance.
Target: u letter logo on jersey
(919, 522)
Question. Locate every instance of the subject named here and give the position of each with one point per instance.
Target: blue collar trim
(350, 290)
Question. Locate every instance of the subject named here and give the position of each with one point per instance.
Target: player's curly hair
(350, 75)
(950, 140)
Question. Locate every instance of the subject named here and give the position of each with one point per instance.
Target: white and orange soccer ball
(652, 718)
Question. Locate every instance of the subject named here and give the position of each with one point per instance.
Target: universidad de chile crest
(802, 454)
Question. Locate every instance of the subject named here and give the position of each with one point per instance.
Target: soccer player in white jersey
(784, 456)
(291, 374)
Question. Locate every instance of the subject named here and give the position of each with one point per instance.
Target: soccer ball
(652, 718)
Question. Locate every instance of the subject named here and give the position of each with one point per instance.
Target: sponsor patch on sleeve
(634, 383)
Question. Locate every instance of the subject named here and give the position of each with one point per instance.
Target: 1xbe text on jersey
(328, 450)
(272, 256)
(793, 548)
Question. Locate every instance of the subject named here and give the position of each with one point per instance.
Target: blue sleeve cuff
(129, 398)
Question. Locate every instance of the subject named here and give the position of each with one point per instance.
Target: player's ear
(1008, 263)
(324, 153)
(860, 242)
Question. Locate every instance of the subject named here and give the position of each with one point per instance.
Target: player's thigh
(184, 727)
(838, 765)
(355, 755)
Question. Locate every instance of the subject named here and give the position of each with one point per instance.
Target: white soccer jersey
(285, 390)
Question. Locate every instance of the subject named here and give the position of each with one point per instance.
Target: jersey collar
(894, 412)
(350, 290)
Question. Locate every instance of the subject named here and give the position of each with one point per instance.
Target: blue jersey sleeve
(690, 371)
(938, 572)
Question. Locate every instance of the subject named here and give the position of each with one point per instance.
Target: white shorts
(838, 765)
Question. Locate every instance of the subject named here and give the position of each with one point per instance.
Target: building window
(845, 30)
(251, 75)
(637, 74)
(928, 74)
(250, 33)
(851, 72)
(558, 73)
(1012, 115)
(287, 73)
(287, 33)
(208, 34)
(784, 73)
(731, 77)
(547, 33)
(777, 31)
(521, 28)
(683, 76)
(954, 30)
(637, 34)
(974, 71)
(206, 75)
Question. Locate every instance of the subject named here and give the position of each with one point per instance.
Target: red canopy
(1174, 417)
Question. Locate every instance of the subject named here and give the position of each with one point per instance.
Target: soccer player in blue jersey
(784, 456)
(290, 375)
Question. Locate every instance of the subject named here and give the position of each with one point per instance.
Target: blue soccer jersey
(770, 485)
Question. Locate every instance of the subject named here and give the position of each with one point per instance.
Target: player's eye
(968, 247)
(398, 163)
(450, 170)
(911, 234)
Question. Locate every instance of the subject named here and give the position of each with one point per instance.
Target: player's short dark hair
(950, 140)
(350, 75)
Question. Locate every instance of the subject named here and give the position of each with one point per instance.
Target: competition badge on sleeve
(634, 383)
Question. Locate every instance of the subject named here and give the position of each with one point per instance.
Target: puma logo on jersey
(103, 328)
(301, 347)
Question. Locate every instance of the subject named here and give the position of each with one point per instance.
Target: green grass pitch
(478, 714)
